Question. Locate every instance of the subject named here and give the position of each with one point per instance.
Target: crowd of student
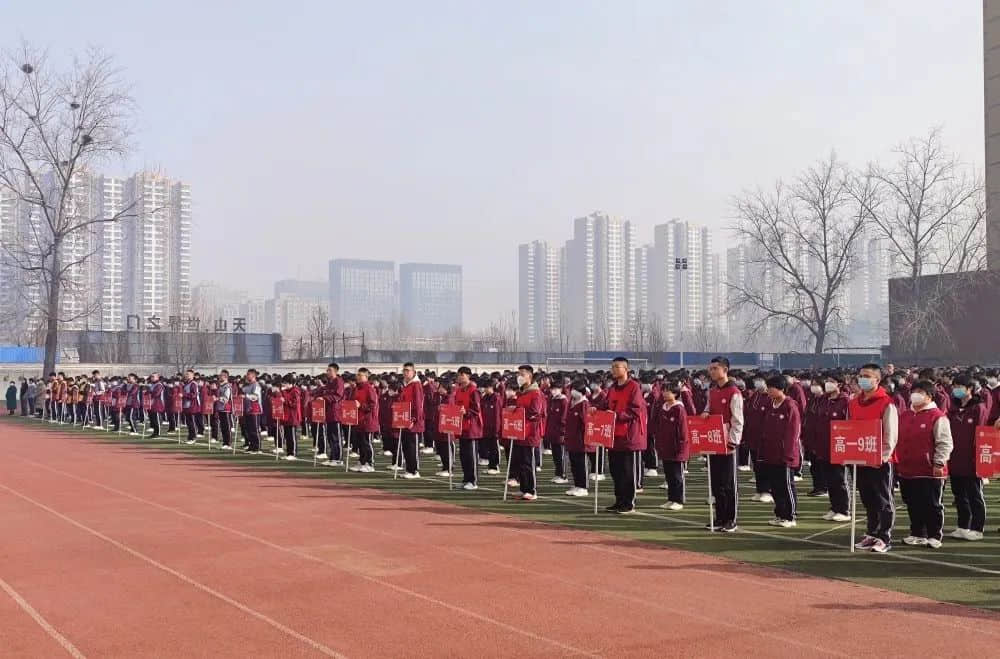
(775, 423)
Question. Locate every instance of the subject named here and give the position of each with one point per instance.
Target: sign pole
(347, 460)
(597, 481)
(854, 492)
(507, 480)
(235, 425)
(398, 463)
(451, 461)
(711, 502)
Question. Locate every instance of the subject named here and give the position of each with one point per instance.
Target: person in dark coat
(555, 431)
(626, 401)
(779, 450)
(576, 423)
(965, 414)
(11, 399)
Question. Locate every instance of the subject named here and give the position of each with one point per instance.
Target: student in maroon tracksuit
(625, 400)
(993, 391)
(922, 455)
(332, 392)
(292, 397)
(755, 406)
(466, 396)
(670, 432)
(966, 414)
(576, 423)
(832, 407)
(492, 403)
(555, 431)
(387, 397)
(530, 399)
(412, 393)
(724, 399)
(779, 450)
(367, 400)
(434, 397)
(813, 426)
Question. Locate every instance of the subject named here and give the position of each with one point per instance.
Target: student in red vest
(576, 422)
(412, 393)
(780, 450)
(670, 433)
(832, 407)
(725, 399)
(530, 399)
(922, 453)
(624, 458)
(967, 412)
(555, 430)
(875, 483)
(466, 396)
(367, 401)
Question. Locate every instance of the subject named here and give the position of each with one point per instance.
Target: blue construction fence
(21, 355)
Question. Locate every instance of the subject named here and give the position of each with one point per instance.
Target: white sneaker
(443, 474)
(663, 486)
(710, 500)
(512, 483)
(280, 451)
(933, 543)
(387, 454)
(744, 468)
(829, 516)
(959, 534)
(263, 433)
(672, 505)
(782, 523)
(355, 468)
(334, 463)
(651, 472)
(213, 441)
(766, 498)
(470, 486)
(291, 458)
(986, 481)
(354, 454)
(528, 496)
(427, 450)
(597, 477)
(492, 472)
(573, 492)
(394, 468)
(559, 480)
(367, 469)
(974, 536)
(547, 451)
(914, 541)
(189, 442)
(408, 476)
(755, 497)
(538, 468)
(797, 479)
(840, 517)
(321, 457)
(199, 436)
(484, 463)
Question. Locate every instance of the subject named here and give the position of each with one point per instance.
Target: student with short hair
(780, 450)
(967, 412)
(670, 434)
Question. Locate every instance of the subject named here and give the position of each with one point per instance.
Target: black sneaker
(625, 510)
(728, 527)
(709, 527)
(817, 493)
(613, 508)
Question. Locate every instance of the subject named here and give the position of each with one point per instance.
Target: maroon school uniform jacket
(368, 407)
(156, 391)
(432, 401)
(555, 419)
(798, 394)
(688, 399)
(492, 406)
(827, 410)
(753, 417)
(670, 433)
(576, 425)
(413, 393)
(626, 401)
(533, 403)
(293, 406)
(332, 392)
(385, 413)
(699, 399)
(994, 394)
(469, 398)
(780, 441)
(964, 420)
(942, 399)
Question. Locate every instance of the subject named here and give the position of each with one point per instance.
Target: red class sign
(318, 409)
(987, 451)
(401, 415)
(856, 442)
(599, 429)
(707, 435)
(278, 408)
(349, 412)
(450, 420)
(238, 405)
(147, 403)
(512, 424)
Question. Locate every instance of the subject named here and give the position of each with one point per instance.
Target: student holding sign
(576, 425)
(966, 414)
(466, 396)
(670, 434)
(875, 483)
(779, 450)
(725, 399)
(413, 395)
(626, 401)
(923, 451)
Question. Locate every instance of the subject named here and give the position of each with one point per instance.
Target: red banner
(120, 403)
(512, 424)
(987, 451)
(208, 404)
(349, 412)
(147, 403)
(856, 442)
(177, 400)
(318, 408)
(450, 420)
(599, 429)
(401, 416)
(707, 435)
(278, 408)
(238, 405)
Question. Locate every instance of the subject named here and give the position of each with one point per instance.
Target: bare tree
(930, 208)
(801, 241)
(53, 126)
(637, 332)
(502, 333)
(322, 336)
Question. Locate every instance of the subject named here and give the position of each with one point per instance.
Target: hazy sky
(452, 131)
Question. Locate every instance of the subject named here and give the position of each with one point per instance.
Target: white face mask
(992, 382)
(521, 380)
(830, 387)
(577, 396)
(816, 390)
(917, 398)
(759, 385)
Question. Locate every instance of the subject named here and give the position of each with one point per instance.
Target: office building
(430, 299)
(362, 294)
(539, 270)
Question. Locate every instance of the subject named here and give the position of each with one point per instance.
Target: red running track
(111, 551)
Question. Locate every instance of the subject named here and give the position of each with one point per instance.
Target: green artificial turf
(961, 572)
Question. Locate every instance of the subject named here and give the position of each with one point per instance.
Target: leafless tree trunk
(801, 242)
(930, 207)
(321, 334)
(53, 126)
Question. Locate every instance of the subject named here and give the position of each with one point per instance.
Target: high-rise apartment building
(539, 273)
(430, 299)
(362, 294)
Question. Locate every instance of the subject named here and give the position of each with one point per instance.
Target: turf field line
(71, 649)
(316, 645)
(267, 543)
(825, 531)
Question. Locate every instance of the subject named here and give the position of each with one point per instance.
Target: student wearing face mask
(670, 433)
(555, 430)
(875, 483)
(754, 410)
(967, 413)
(576, 422)
(993, 391)
(922, 454)
(780, 452)
(812, 435)
(530, 399)
(833, 407)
